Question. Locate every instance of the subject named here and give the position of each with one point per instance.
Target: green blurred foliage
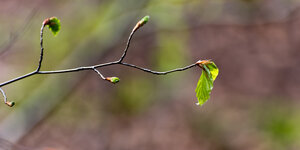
(280, 123)
(133, 97)
(170, 53)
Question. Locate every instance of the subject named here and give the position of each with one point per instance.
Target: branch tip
(49, 21)
(46, 22)
(200, 63)
(10, 103)
(142, 22)
(53, 23)
(113, 80)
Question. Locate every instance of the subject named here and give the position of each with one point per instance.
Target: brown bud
(113, 79)
(200, 63)
(46, 21)
(10, 104)
(142, 22)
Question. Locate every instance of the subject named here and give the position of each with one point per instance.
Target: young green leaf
(54, 25)
(205, 84)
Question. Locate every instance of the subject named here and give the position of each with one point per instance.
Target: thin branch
(127, 44)
(98, 72)
(142, 22)
(94, 67)
(10, 104)
(117, 63)
(113, 80)
(42, 48)
(78, 68)
(18, 78)
(4, 95)
(157, 72)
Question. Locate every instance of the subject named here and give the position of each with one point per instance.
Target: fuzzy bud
(10, 104)
(142, 22)
(200, 63)
(113, 79)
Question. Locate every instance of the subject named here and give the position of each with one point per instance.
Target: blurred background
(254, 104)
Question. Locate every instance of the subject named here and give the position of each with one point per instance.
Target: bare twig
(42, 48)
(127, 45)
(157, 72)
(94, 67)
(4, 96)
(5, 99)
(98, 72)
(136, 27)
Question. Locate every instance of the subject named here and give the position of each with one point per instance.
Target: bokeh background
(254, 103)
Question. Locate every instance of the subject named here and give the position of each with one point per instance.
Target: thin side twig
(98, 72)
(10, 104)
(42, 48)
(4, 95)
(127, 45)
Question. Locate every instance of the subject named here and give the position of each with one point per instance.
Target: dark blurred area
(254, 104)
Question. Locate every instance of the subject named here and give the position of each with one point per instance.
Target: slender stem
(117, 63)
(136, 27)
(157, 72)
(4, 96)
(78, 68)
(42, 48)
(98, 72)
(128, 44)
(18, 78)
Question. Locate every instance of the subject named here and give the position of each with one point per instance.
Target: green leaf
(214, 71)
(54, 25)
(205, 84)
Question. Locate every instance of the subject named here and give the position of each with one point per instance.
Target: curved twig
(10, 104)
(42, 48)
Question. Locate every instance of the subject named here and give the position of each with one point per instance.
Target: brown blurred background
(254, 103)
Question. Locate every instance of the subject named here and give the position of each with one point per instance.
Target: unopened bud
(142, 22)
(46, 21)
(10, 104)
(113, 79)
(203, 62)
